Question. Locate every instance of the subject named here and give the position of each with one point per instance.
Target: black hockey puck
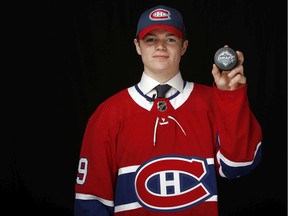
(225, 58)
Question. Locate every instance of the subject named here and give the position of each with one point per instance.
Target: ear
(184, 47)
(137, 46)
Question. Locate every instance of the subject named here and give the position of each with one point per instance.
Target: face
(161, 53)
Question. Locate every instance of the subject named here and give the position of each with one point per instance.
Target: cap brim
(172, 29)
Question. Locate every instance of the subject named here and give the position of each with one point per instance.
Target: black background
(81, 52)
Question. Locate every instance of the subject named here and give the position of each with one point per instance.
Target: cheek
(178, 54)
(144, 57)
(144, 53)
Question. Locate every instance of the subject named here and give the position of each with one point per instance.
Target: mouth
(161, 57)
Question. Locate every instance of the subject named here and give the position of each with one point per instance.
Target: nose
(161, 45)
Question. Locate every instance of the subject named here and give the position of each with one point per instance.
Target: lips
(161, 56)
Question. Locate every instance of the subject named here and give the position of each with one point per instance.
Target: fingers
(240, 57)
(216, 73)
(236, 75)
(237, 81)
(239, 69)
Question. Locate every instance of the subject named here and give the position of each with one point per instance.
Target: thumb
(216, 73)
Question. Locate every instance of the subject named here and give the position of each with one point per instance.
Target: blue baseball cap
(161, 16)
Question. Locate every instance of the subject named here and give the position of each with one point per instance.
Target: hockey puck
(225, 58)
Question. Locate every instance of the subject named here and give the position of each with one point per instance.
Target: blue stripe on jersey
(232, 172)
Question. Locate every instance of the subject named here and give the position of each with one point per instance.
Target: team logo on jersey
(162, 106)
(171, 183)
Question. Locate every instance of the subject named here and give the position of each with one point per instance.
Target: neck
(161, 77)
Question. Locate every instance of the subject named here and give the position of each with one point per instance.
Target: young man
(149, 154)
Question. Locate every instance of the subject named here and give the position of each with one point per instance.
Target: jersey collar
(147, 84)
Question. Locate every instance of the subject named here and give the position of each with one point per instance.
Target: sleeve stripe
(236, 164)
(126, 207)
(129, 169)
(81, 196)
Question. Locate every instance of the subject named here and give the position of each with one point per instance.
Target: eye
(149, 40)
(171, 40)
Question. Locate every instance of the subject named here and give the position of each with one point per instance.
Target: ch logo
(171, 183)
(160, 14)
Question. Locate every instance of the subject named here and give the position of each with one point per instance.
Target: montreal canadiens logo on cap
(160, 17)
(159, 14)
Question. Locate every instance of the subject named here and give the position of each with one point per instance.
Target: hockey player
(149, 154)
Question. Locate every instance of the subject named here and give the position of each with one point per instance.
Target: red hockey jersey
(143, 156)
